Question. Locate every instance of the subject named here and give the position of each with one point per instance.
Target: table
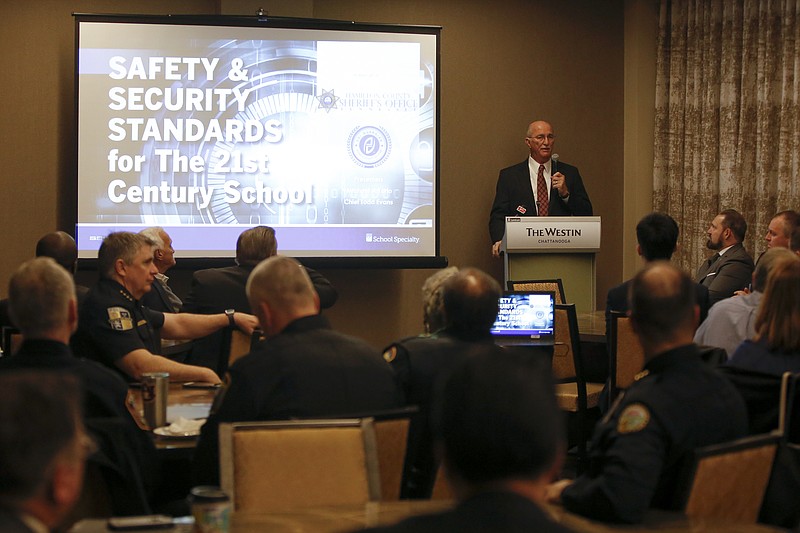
(353, 517)
(181, 401)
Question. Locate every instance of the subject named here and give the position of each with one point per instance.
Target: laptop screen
(525, 317)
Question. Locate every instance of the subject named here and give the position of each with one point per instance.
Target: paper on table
(187, 410)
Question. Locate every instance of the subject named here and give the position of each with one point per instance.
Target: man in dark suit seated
(469, 301)
(502, 440)
(303, 369)
(657, 235)
(539, 186)
(216, 290)
(731, 268)
(676, 405)
(43, 450)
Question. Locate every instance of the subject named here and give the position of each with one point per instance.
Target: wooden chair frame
(623, 362)
(554, 285)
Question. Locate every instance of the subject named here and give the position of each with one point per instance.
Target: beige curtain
(727, 128)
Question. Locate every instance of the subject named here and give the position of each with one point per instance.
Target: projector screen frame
(436, 260)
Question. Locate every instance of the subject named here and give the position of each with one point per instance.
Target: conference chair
(554, 285)
(727, 482)
(573, 393)
(625, 357)
(764, 395)
(11, 341)
(272, 466)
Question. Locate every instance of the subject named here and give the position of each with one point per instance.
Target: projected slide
(328, 136)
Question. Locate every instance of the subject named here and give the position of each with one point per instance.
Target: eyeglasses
(542, 137)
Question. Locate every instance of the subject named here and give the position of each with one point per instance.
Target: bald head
(470, 300)
(41, 299)
(662, 304)
(282, 285)
(61, 247)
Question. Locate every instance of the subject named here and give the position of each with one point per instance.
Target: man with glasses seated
(534, 188)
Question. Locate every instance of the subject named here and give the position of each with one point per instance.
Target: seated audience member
(117, 330)
(657, 237)
(432, 305)
(303, 369)
(60, 247)
(43, 303)
(469, 300)
(781, 227)
(775, 347)
(732, 320)
(730, 269)
(502, 440)
(160, 297)
(215, 290)
(677, 404)
(43, 450)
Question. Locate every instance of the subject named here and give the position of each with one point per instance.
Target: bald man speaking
(539, 186)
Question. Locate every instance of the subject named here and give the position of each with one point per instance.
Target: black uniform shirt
(112, 324)
(638, 448)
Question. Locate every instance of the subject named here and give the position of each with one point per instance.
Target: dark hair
(119, 245)
(255, 244)
(734, 221)
(59, 246)
(657, 234)
(497, 417)
(794, 244)
(662, 300)
(39, 418)
(470, 300)
(791, 219)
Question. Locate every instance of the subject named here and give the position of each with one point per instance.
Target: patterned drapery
(727, 131)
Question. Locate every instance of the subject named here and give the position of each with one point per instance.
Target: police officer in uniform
(676, 405)
(117, 330)
(469, 308)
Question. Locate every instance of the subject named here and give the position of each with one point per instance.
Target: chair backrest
(554, 285)
(789, 416)
(441, 487)
(391, 438)
(726, 482)
(11, 340)
(567, 343)
(270, 466)
(626, 355)
(762, 395)
(241, 345)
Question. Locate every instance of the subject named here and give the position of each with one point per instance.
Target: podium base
(576, 270)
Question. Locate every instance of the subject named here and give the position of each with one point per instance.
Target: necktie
(541, 193)
(713, 259)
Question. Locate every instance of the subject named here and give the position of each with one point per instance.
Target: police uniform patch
(119, 318)
(390, 354)
(633, 418)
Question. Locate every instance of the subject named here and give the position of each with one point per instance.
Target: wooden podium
(555, 247)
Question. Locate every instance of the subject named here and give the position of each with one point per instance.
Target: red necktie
(541, 193)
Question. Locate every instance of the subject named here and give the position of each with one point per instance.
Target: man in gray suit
(731, 268)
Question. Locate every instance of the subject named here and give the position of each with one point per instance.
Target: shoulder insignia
(633, 418)
(640, 375)
(119, 318)
(390, 354)
(126, 295)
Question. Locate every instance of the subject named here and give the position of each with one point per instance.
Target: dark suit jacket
(216, 289)
(730, 273)
(617, 300)
(514, 197)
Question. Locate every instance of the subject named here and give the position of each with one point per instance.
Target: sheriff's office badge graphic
(634, 417)
(120, 318)
(327, 100)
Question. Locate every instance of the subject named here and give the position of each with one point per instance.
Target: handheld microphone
(554, 160)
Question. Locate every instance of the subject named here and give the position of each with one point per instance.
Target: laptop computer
(525, 318)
